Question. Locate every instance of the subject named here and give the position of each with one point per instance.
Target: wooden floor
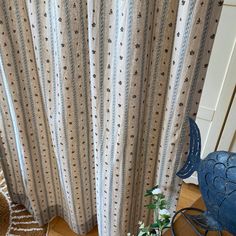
(58, 227)
(188, 195)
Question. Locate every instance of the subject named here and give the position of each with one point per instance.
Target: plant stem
(155, 215)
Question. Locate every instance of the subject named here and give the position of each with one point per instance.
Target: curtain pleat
(93, 101)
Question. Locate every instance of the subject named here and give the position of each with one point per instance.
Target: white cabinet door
(228, 137)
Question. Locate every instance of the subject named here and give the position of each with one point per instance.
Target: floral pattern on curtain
(93, 100)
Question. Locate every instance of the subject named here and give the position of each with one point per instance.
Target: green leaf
(148, 194)
(158, 223)
(166, 225)
(153, 188)
(142, 233)
(166, 218)
(162, 196)
(163, 200)
(151, 206)
(155, 225)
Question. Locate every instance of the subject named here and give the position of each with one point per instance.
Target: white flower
(156, 191)
(141, 225)
(163, 213)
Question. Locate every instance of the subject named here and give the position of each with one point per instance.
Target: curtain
(94, 98)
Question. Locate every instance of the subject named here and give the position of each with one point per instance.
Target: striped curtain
(93, 98)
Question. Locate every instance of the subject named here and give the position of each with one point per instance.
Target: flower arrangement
(161, 215)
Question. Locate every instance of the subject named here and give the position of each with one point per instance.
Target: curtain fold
(94, 98)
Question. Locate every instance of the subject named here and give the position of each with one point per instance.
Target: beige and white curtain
(93, 96)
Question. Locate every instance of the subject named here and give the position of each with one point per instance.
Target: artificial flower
(156, 191)
(163, 213)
